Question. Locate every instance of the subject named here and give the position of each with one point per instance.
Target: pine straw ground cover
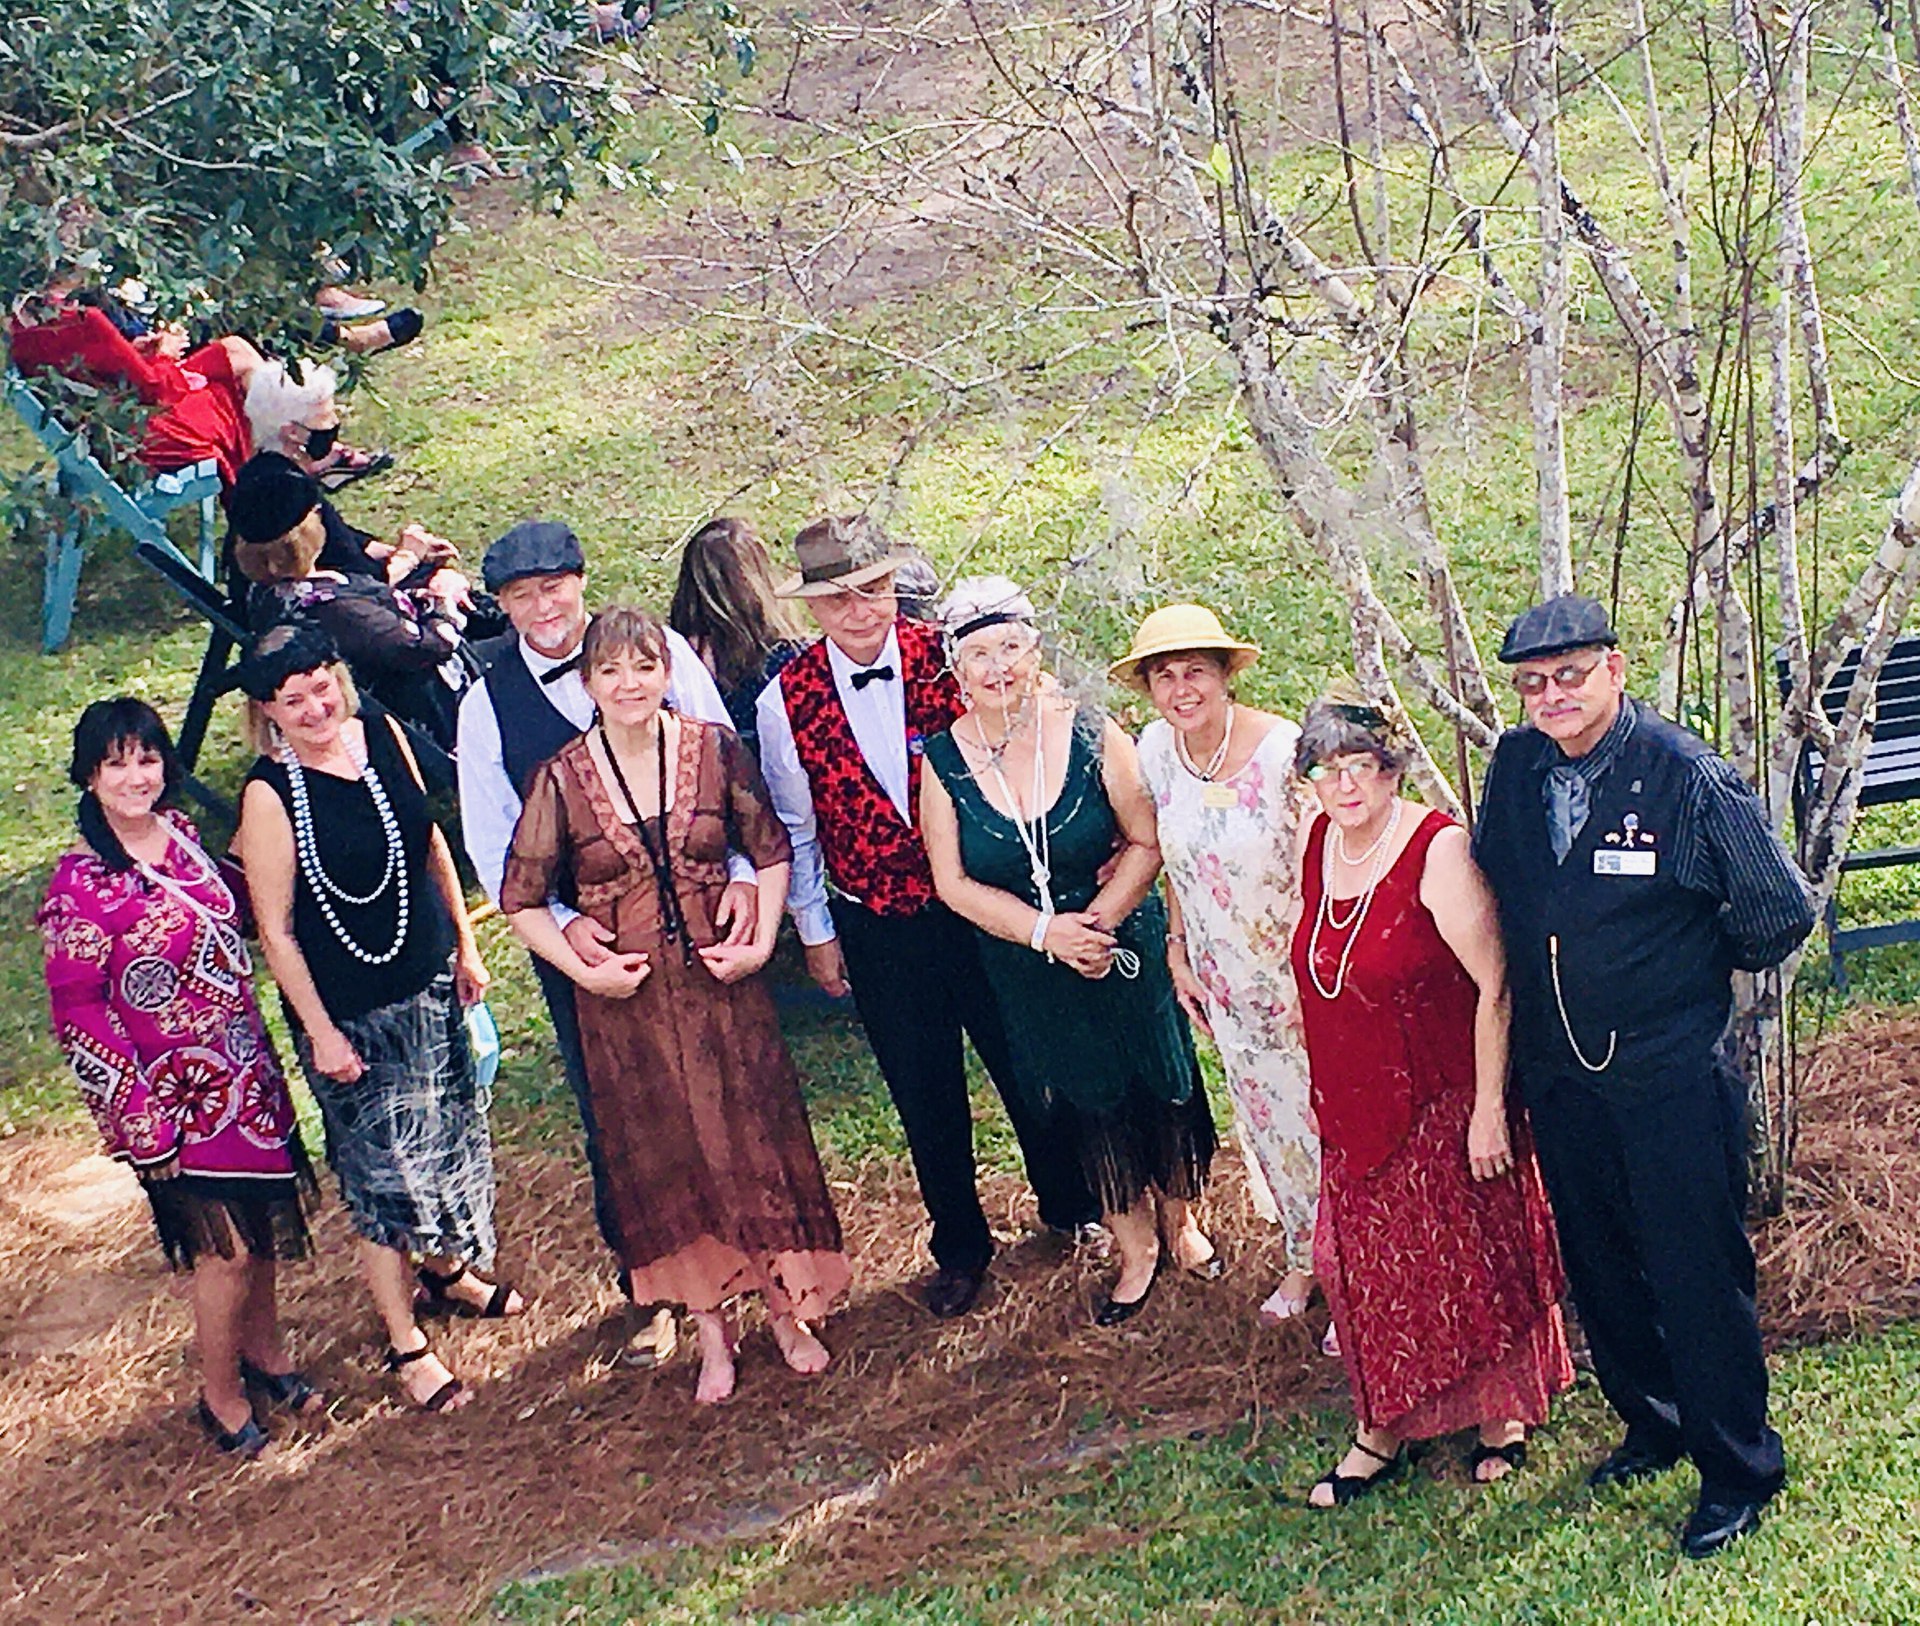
(115, 1509)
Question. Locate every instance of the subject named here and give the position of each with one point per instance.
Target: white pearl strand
(321, 883)
(1323, 916)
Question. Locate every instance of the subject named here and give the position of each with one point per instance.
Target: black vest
(532, 727)
(1640, 957)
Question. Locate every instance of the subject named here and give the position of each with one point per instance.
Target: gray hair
(274, 400)
(1343, 728)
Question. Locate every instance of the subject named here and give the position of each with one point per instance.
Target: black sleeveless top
(352, 845)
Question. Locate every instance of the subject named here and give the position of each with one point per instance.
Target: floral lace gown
(1228, 851)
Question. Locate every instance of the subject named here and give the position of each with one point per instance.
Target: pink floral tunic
(153, 1005)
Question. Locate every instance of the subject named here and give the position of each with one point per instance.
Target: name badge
(1640, 863)
(1219, 795)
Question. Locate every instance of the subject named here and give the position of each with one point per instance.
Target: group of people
(1435, 1046)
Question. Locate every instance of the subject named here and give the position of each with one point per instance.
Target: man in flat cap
(1635, 871)
(530, 702)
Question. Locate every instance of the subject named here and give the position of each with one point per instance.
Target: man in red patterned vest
(842, 732)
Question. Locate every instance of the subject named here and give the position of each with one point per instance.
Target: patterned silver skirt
(408, 1139)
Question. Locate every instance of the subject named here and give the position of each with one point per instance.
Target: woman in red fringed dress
(1435, 1246)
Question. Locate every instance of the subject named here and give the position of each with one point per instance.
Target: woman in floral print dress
(1221, 777)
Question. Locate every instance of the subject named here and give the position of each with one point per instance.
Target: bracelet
(1176, 937)
(1037, 938)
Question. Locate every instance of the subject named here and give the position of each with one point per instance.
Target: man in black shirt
(1635, 872)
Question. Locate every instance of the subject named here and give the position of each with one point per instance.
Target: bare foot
(798, 1346)
(717, 1374)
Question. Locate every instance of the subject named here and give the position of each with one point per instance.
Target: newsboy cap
(1571, 621)
(534, 547)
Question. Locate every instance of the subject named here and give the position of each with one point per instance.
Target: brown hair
(724, 605)
(620, 629)
(286, 558)
(1148, 665)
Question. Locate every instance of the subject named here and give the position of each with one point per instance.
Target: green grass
(1216, 1529)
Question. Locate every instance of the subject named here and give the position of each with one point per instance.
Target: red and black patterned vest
(870, 852)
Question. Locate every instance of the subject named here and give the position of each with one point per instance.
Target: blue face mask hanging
(483, 1039)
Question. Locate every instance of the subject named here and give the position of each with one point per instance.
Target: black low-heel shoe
(248, 1440)
(1115, 1311)
(1350, 1487)
(293, 1390)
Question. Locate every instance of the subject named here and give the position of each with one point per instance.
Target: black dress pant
(918, 985)
(557, 987)
(1648, 1182)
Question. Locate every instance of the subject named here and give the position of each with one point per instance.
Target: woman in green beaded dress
(1031, 802)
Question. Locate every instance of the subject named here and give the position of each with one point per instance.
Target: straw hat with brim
(837, 556)
(1181, 629)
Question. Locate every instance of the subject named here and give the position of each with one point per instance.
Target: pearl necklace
(322, 885)
(1037, 840)
(1323, 916)
(1219, 758)
(217, 918)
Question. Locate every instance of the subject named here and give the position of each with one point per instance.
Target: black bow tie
(873, 674)
(570, 664)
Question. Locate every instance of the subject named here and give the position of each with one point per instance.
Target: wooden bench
(141, 513)
(1890, 774)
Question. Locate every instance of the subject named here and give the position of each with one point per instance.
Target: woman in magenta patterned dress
(1435, 1246)
(152, 998)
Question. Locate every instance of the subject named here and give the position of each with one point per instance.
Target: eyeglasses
(1570, 677)
(1359, 771)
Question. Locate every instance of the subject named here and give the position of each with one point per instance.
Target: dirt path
(567, 1459)
(113, 1494)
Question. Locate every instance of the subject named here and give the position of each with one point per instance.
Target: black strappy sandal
(248, 1440)
(1513, 1454)
(1350, 1487)
(293, 1390)
(438, 1302)
(437, 1401)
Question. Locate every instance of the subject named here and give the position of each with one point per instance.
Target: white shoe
(1282, 1306)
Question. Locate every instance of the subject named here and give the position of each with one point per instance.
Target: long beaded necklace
(217, 918)
(322, 885)
(1035, 838)
(1215, 762)
(1323, 916)
(673, 918)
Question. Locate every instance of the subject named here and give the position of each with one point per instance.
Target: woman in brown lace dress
(714, 1180)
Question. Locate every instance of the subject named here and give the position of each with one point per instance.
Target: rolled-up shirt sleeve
(489, 805)
(792, 795)
(1728, 850)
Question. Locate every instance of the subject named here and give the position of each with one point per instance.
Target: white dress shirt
(490, 806)
(878, 713)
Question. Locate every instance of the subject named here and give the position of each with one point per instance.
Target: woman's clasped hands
(1077, 937)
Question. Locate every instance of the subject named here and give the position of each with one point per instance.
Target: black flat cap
(270, 496)
(1570, 621)
(534, 547)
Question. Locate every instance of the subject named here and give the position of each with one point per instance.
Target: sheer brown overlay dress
(711, 1166)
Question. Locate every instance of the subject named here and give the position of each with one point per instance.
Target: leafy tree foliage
(220, 151)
